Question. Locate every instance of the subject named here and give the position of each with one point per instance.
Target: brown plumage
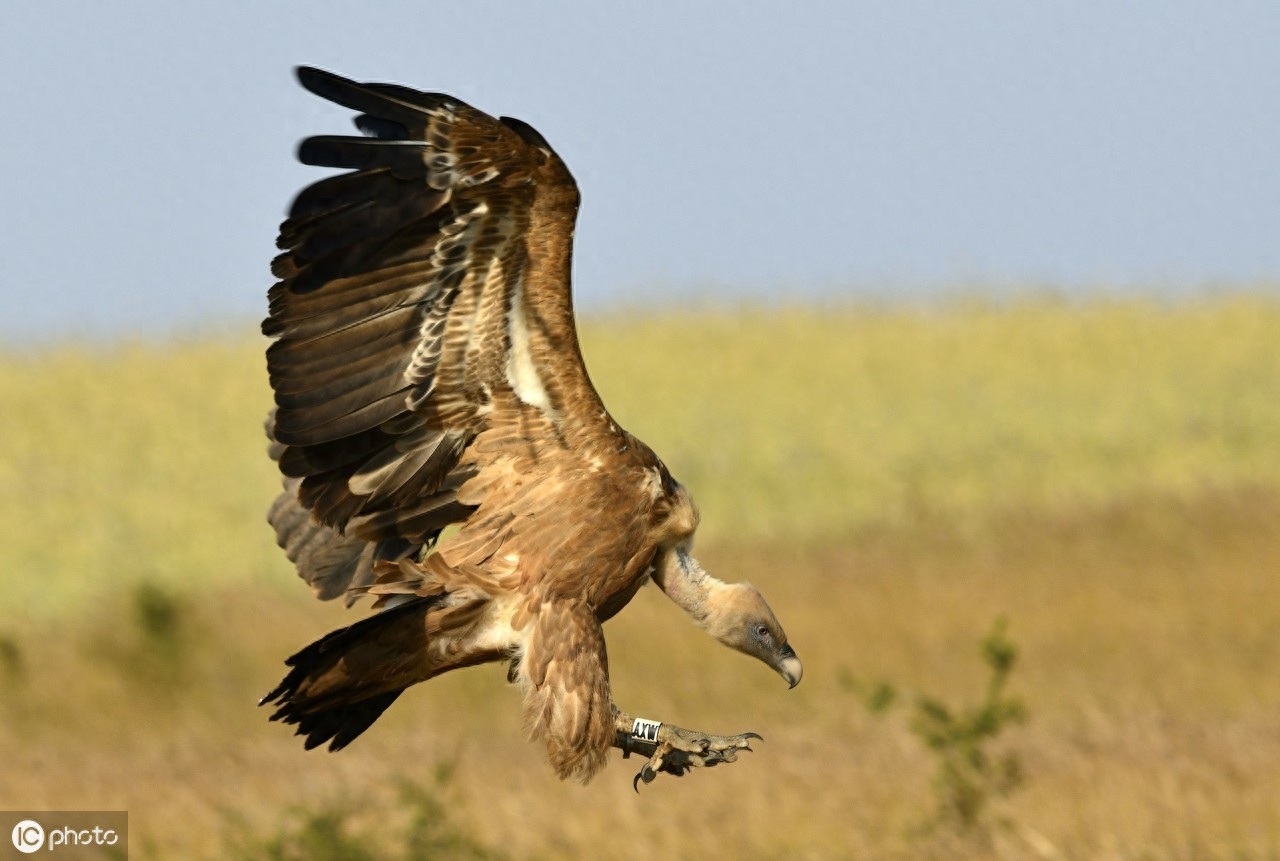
(427, 372)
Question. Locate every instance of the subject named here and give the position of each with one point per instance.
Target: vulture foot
(673, 749)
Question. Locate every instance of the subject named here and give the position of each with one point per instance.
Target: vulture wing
(423, 298)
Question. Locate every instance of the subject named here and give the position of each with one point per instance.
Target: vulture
(443, 449)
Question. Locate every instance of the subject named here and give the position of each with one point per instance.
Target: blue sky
(742, 148)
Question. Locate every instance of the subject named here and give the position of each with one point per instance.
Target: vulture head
(736, 614)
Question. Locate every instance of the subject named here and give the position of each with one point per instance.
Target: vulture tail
(343, 682)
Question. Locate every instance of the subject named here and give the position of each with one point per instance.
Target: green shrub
(969, 775)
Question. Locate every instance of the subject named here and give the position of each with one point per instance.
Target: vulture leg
(673, 749)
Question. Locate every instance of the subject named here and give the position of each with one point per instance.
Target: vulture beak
(789, 666)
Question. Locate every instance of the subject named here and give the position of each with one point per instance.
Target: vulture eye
(763, 632)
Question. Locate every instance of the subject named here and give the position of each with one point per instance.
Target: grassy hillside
(147, 461)
(1105, 475)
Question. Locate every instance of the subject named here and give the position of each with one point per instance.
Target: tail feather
(330, 692)
(339, 725)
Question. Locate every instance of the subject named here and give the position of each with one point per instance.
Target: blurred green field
(1105, 473)
(146, 461)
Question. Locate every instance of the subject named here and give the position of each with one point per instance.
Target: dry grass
(1150, 637)
(1106, 476)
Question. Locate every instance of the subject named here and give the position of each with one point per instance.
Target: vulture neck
(684, 582)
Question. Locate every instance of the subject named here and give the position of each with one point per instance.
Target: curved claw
(647, 775)
(754, 735)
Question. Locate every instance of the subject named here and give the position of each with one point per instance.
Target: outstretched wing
(423, 296)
